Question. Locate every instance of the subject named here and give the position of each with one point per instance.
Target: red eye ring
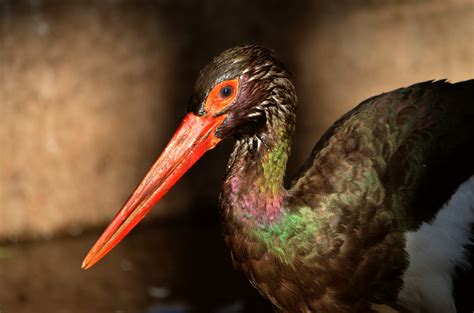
(221, 96)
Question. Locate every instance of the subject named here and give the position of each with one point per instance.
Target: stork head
(238, 93)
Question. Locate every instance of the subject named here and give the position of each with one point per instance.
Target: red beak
(194, 137)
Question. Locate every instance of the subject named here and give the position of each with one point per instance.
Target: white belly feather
(435, 250)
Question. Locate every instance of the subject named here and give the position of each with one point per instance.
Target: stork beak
(194, 137)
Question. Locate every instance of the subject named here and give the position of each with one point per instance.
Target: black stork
(382, 212)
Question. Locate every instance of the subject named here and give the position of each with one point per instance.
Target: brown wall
(90, 91)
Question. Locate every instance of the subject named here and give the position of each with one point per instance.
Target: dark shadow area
(183, 266)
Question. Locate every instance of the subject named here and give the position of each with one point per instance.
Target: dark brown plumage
(386, 166)
(334, 240)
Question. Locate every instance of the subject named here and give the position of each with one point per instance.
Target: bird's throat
(253, 189)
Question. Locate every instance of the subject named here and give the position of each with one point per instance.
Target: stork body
(378, 173)
(345, 233)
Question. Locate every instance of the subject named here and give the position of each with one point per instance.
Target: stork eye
(226, 91)
(221, 96)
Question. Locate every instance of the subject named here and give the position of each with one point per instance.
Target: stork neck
(253, 189)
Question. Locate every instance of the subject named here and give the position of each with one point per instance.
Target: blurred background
(90, 92)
